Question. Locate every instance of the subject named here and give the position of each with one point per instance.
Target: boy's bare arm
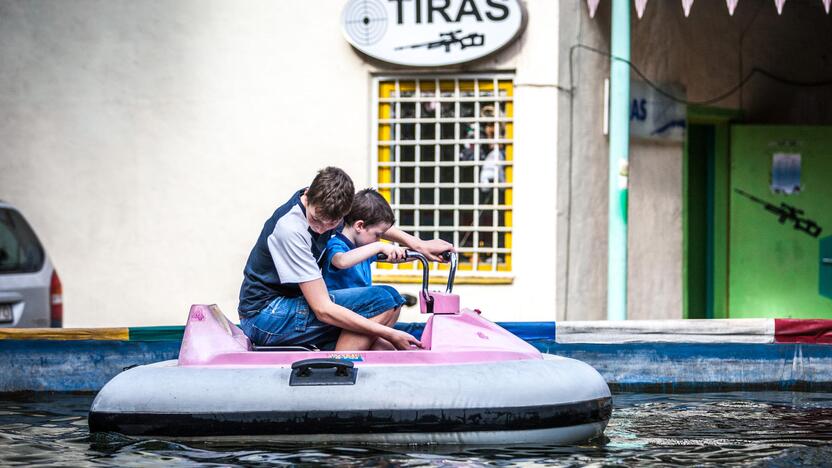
(326, 311)
(432, 249)
(344, 260)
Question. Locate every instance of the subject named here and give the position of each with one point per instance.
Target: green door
(777, 266)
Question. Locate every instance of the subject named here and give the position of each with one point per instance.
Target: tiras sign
(431, 33)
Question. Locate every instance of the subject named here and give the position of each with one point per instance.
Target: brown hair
(331, 192)
(369, 206)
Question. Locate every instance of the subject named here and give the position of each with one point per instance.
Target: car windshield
(20, 251)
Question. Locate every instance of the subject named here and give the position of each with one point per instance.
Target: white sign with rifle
(431, 33)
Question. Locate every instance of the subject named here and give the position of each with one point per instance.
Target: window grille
(444, 160)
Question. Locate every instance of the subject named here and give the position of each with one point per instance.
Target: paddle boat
(472, 383)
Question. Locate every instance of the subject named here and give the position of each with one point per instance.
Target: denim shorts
(289, 321)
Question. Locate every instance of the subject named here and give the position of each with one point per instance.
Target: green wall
(773, 269)
(698, 200)
(705, 204)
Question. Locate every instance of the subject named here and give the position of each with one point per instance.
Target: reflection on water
(764, 428)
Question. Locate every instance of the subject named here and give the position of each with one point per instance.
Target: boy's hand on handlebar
(392, 252)
(402, 340)
(434, 248)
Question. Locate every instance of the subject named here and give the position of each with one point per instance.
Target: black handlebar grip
(446, 256)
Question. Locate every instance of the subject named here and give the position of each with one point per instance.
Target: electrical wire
(720, 97)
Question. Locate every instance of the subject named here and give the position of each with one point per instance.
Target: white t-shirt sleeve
(291, 252)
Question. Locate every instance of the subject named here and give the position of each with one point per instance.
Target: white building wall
(148, 141)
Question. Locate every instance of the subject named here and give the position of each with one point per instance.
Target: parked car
(30, 290)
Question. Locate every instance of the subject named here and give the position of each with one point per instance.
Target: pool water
(702, 429)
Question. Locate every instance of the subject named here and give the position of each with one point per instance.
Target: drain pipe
(618, 159)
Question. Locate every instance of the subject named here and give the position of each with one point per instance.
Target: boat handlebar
(411, 255)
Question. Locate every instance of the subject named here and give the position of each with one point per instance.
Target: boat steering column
(434, 302)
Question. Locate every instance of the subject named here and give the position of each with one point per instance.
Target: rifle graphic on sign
(449, 39)
(786, 212)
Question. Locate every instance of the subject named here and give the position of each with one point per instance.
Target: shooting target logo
(431, 33)
(365, 21)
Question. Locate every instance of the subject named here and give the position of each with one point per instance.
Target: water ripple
(774, 429)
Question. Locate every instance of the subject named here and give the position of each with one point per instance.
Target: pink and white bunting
(593, 5)
(686, 5)
(779, 4)
(640, 6)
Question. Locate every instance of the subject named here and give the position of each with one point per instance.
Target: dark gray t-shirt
(286, 253)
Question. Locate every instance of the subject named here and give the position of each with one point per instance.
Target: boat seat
(254, 347)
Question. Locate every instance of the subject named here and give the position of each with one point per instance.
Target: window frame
(498, 273)
(21, 232)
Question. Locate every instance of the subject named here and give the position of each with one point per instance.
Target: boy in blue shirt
(350, 252)
(283, 298)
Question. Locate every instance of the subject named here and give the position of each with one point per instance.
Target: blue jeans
(289, 321)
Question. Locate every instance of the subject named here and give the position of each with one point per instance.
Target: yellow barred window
(444, 161)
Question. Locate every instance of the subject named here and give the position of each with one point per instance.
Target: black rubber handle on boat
(303, 366)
